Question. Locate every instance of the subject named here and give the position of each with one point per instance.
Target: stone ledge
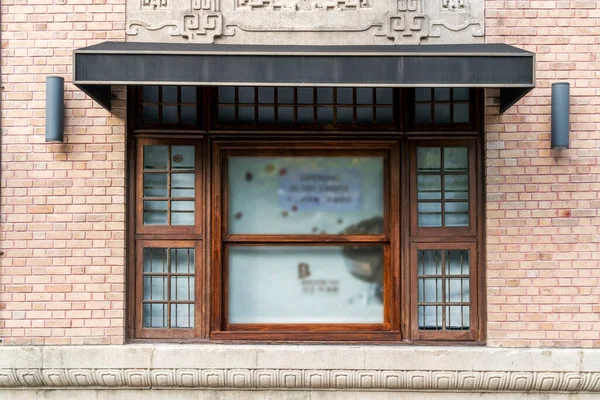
(478, 369)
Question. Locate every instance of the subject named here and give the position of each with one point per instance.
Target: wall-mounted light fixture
(55, 109)
(560, 116)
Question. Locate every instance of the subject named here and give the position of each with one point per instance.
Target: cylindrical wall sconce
(55, 109)
(560, 116)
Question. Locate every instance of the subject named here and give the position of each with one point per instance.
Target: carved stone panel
(306, 21)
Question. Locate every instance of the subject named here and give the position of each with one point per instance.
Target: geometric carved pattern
(248, 378)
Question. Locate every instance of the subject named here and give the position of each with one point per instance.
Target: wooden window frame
(221, 329)
(401, 327)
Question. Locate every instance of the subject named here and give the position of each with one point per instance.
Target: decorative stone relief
(306, 21)
(247, 378)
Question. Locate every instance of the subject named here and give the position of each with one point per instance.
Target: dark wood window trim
(403, 240)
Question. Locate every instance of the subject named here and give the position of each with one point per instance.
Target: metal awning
(98, 67)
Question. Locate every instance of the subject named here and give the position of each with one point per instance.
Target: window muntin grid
(169, 106)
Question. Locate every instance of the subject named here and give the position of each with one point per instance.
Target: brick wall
(543, 205)
(62, 220)
(62, 212)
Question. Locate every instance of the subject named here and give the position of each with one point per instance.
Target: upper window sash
(169, 187)
(443, 188)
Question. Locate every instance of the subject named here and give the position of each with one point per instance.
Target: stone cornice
(412, 368)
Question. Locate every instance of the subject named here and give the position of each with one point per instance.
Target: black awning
(473, 65)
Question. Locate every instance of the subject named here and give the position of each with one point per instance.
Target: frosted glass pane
(303, 284)
(182, 157)
(182, 315)
(155, 185)
(456, 159)
(456, 220)
(457, 262)
(456, 187)
(429, 220)
(154, 316)
(155, 260)
(429, 187)
(182, 185)
(155, 212)
(305, 195)
(429, 262)
(182, 213)
(156, 157)
(429, 159)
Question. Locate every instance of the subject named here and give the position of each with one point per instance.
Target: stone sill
(415, 368)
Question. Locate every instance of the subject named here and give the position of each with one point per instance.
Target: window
(254, 227)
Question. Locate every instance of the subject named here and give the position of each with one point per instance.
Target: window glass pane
(302, 284)
(246, 95)
(266, 95)
(150, 113)
(226, 94)
(155, 185)
(266, 115)
(429, 159)
(188, 94)
(285, 95)
(384, 95)
(156, 157)
(422, 113)
(154, 316)
(155, 288)
(182, 185)
(345, 115)
(155, 212)
(423, 94)
(457, 262)
(169, 115)
(441, 94)
(169, 94)
(456, 187)
(461, 113)
(150, 94)
(182, 315)
(305, 95)
(442, 113)
(344, 96)
(182, 288)
(456, 159)
(226, 114)
(325, 95)
(460, 94)
(364, 115)
(182, 261)
(155, 260)
(305, 115)
(305, 195)
(429, 262)
(429, 187)
(384, 115)
(188, 115)
(364, 96)
(325, 115)
(182, 213)
(182, 157)
(246, 114)
(285, 115)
